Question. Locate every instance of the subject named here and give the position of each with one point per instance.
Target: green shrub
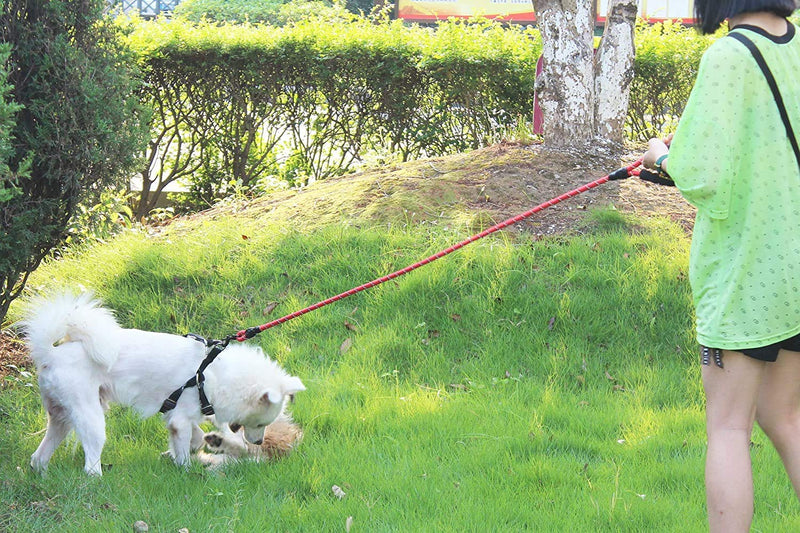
(76, 127)
(274, 12)
(482, 78)
(360, 6)
(103, 217)
(667, 58)
(239, 104)
(233, 101)
(227, 10)
(9, 178)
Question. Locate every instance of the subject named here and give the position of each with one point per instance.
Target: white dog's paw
(38, 467)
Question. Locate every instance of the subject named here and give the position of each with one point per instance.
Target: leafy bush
(9, 185)
(274, 12)
(239, 11)
(235, 104)
(360, 6)
(667, 58)
(102, 218)
(75, 130)
(482, 78)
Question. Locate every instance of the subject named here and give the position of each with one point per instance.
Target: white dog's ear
(292, 386)
(271, 396)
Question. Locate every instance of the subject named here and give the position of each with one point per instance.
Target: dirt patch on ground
(535, 176)
(13, 356)
(482, 187)
(485, 186)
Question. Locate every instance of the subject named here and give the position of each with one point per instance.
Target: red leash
(622, 173)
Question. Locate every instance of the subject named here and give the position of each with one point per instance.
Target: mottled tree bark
(566, 85)
(584, 98)
(614, 71)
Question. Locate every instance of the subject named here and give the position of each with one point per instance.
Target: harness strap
(776, 94)
(215, 348)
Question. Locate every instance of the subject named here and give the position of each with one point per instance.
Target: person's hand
(656, 148)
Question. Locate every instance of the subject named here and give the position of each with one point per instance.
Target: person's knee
(780, 427)
(730, 422)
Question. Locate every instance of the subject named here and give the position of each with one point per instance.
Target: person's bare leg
(731, 396)
(778, 411)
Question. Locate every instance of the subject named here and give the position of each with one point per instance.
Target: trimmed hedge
(233, 102)
(237, 105)
(667, 58)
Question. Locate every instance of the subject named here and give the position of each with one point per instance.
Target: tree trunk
(566, 85)
(614, 72)
(584, 102)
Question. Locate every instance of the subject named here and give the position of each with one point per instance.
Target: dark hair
(711, 13)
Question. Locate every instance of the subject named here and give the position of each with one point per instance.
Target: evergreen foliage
(8, 110)
(75, 125)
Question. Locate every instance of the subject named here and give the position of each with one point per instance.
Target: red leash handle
(622, 173)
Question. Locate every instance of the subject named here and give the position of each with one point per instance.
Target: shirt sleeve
(705, 151)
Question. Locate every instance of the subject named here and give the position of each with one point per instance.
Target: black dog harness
(214, 348)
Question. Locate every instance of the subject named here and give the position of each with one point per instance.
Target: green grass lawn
(517, 384)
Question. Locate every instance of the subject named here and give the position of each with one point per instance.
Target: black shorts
(770, 353)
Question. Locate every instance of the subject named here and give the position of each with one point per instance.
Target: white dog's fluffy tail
(72, 318)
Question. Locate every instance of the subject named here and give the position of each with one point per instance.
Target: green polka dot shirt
(731, 158)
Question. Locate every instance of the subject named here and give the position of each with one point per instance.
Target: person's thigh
(732, 392)
(779, 393)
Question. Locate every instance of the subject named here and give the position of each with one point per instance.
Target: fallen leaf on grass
(349, 326)
(269, 308)
(346, 345)
(338, 492)
(551, 323)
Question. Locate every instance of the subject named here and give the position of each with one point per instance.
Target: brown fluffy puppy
(228, 444)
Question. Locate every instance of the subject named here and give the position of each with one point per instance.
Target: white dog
(85, 360)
